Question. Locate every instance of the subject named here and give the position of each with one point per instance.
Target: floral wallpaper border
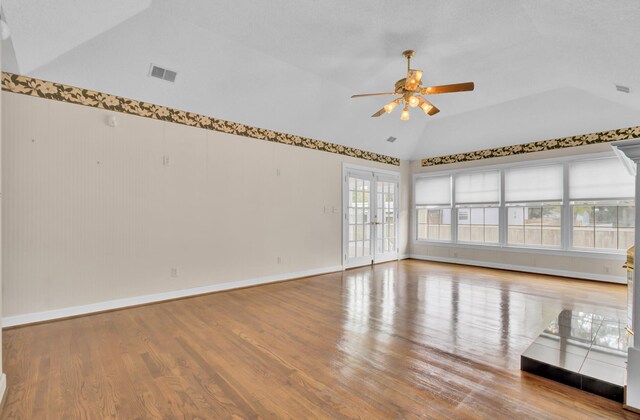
(537, 146)
(26, 85)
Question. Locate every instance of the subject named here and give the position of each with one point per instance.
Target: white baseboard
(404, 256)
(12, 321)
(3, 386)
(524, 268)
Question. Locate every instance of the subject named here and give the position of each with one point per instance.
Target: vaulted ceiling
(542, 69)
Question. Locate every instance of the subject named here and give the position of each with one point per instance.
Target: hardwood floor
(401, 340)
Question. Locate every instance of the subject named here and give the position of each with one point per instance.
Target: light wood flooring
(399, 340)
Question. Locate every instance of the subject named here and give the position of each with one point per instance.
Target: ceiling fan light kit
(410, 90)
(389, 107)
(405, 114)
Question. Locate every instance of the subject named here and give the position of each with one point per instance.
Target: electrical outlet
(165, 160)
(455, 255)
(174, 272)
(279, 260)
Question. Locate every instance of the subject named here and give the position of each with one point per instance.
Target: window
(602, 207)
(434, 224)
(531, 225)
(582, 204)
(478, 224)
(603, 225)
(477, 200)
(433, 201)
(533, 196)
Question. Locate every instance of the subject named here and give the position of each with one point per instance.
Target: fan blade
(377, 114)
(413, 79)
(373, 94)
(457, 87)
(430, 108)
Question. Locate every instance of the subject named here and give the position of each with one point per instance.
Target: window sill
(477, 244)
(616, 255)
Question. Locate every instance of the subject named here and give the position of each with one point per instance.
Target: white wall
(587, 266)
(92, 214)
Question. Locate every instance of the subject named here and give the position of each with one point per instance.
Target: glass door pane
(359, 221)
(385, 221)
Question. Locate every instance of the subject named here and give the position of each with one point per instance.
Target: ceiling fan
(411, 90)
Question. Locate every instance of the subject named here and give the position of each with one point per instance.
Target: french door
(370, 219)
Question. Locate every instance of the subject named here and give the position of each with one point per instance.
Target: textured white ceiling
(44, 29)
(542, 69)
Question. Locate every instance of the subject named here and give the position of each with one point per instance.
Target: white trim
(524, 163)
(574, 252)
(375, 174)
(620, 255)
(346, 166)
(632, 397)
(3, 385)
(503, 218)
(631, 149)
(628, 163)
(524, 268)
(12, 321)
(566, 215)
(403, 257)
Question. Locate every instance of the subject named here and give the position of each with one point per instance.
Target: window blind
(478, 188)
(433, 191)
(533, 184)
(600, 179)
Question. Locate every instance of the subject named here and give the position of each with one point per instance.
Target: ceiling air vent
(391, 139)
(624, 89)
(164, 74)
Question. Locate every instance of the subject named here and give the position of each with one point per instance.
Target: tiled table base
(583, 350)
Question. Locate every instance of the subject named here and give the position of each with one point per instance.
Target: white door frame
(375, 173)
